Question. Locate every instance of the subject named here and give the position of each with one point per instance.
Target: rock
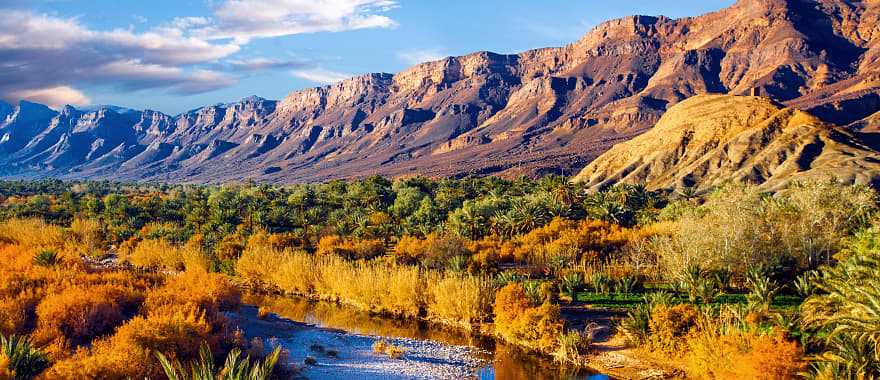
(707, 140)
(544, 110)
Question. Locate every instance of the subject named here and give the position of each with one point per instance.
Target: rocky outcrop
(709, 139)
(545, 110)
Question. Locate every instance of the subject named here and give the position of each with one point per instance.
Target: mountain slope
(545, 110)
(709, 139)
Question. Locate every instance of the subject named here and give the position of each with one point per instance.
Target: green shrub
(571, 283)
(762, 290)
(234, 368)
(46, 258)
(21, 358)
(601, 283)
(636, 326)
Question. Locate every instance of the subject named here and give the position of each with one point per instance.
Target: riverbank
(499, 359)
(322, 353)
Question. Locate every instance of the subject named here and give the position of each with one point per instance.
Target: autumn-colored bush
(518, 321)
(259, 263)
(435, 250)
(161, 254)
(79, 314)
(209, 292)
(176, 331)
(460, 299)
(740, 354)
(86, 238)
(488, 253)
(376, 287)
(350, 248)
(100, 323)
(670, 324)
(568, 241)
(31, 233)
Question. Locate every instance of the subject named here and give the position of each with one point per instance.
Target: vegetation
(772, 284)
(234, 368)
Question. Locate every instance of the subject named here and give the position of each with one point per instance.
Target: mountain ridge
(542, 110)
(707, 140)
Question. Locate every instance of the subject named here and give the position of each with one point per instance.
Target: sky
(177, 55)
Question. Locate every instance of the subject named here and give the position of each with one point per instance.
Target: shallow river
(338, 344)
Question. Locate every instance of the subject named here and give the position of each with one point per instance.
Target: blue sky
(175, 55)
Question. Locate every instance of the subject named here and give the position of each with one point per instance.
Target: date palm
(234, 368)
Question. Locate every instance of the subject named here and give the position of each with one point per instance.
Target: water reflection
(505, 362)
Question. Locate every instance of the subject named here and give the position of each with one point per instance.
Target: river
(337, 342)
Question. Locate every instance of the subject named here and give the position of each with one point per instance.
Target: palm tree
(22, 359)
(234, 368)
(847, 310)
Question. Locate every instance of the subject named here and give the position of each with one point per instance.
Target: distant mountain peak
(547, 110)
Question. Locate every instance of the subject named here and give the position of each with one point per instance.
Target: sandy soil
(336, 354)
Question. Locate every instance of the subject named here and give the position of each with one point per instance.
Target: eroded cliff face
(545, 110)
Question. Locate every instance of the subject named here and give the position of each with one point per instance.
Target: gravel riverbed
(329, 354)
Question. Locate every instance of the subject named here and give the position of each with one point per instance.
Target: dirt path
(611, 354)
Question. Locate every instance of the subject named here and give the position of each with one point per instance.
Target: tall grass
(375, 286)
(460, 298)
(161, 254)
(31, 233)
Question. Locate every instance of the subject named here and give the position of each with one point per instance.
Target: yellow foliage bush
(670, 324)
(350, 248)
(587, 240)
(175, 331)
(68, 304)
(372, 286)
(434, 250)
(517, 321)
(210, 292)
(461, 299)
(31, 233)
(161, 254)
(78, 314)
(87, 238)
(743, 355)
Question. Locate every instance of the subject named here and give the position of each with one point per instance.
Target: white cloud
(54, 97)
(319, 75)
(261, 63)
(414, 57)
(42, 53)
(243, 20)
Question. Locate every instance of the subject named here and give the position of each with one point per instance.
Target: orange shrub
(670, 324)
(743, 355)
(350, 248)
(434, 250)
(77, 315)
(208, 291)
(517, 321)
(487, 253)
(586, 240)
(18, 312)
(175, 331)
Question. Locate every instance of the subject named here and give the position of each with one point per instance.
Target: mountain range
(551, 110)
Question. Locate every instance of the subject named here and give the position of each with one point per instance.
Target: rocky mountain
(709, 139)
(545, 110)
